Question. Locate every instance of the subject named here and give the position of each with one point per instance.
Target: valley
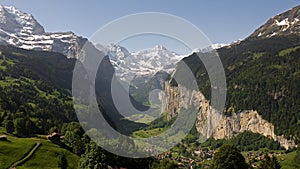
(259, 125)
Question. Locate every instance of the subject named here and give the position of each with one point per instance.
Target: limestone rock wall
(213, 124)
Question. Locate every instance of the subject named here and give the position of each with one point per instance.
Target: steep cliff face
(176, 98)
(213, 124)
(171, 101)
(248, 120)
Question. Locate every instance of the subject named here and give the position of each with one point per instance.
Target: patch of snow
(284, 22)
(271, 35)
(218, 45)
(212, 47)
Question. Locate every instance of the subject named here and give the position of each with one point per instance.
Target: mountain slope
(34, 100)
(36, 86)
(16, 148)
(17, 22)
(141, 71)
(144, 63)
(22, 30)
(262, 75)
(46, 57)
(286, 23)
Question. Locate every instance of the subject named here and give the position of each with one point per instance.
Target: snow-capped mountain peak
(22, 30)
(156, 50)
(159, 47)
(147, 62)
(117, 51)
(15, 21)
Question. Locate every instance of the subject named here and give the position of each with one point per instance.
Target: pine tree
(9, 125)
(62, 162)
(270, 163)
(93, 158)
(228, 157)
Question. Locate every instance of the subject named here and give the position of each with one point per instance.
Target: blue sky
(221, 21)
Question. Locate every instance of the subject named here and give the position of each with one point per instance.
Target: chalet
(3, 138)
(55, 137)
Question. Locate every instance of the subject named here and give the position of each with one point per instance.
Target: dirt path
(30, 153)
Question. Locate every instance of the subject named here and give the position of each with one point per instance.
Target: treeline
(228, 156)
(93, 156)
(246, 141)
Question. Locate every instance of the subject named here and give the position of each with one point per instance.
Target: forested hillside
(34, 93)
(262, 75)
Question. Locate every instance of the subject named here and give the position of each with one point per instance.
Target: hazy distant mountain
(147, 69)
(144, 63)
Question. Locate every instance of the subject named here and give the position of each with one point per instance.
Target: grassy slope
(141, 118)
(288, 161)
(46, 156)
(147, 133)
(14, 150)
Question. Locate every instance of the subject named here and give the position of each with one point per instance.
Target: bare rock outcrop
(213, 124)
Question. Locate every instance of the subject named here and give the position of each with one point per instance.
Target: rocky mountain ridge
(283, 24)
(22, 30)
(144, 63)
